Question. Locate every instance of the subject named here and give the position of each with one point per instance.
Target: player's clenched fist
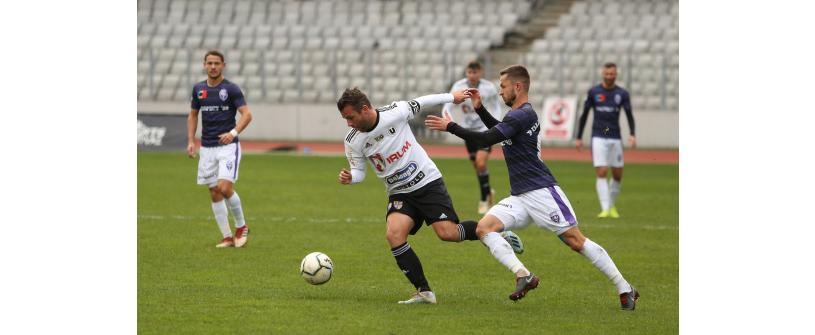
(345, 177)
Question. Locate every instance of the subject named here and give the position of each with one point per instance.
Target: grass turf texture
(294, 206)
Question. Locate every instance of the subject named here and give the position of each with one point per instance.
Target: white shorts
(607, 152)
(217, 163)
(547, 207)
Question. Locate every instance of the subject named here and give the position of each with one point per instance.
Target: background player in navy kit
(535, 194)
(606, 144)
(218, 100)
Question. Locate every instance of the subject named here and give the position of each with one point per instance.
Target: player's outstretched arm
(192, 125)
(480, 138)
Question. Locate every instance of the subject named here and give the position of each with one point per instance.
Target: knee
(447, 231)
(215, 194)
(485, 228)
(225, 190)
(395, 238)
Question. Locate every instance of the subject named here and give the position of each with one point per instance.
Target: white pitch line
(364, 219)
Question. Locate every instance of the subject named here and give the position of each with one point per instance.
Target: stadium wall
(321, 122)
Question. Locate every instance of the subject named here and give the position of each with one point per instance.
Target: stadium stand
(306, 50)
(641, 36)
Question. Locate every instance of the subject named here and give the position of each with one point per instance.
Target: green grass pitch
(294, 206)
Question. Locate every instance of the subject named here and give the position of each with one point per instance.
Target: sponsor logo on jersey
(396, 155)
(555, 217)
(202, 94)
(599, 98)
(443, 216)
(392, 130)
(414, 106)
(368, 145)
(617, 99)
(378, 162)
(403, 174)
(533, 129)
(412, 182)
(223, 94)
(386, 108)
(379, 137)
(605, 109)
(506, 142)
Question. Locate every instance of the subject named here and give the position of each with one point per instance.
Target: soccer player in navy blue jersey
(219, 100)
(535, 194)
(606, 141)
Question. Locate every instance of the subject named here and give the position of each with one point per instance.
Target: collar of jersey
(375, 124)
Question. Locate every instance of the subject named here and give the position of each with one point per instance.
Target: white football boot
(422, 297)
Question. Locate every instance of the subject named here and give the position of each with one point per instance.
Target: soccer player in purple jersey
(535, 194)
(606, 141)
(218, 100)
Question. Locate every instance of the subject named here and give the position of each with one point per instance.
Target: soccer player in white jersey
(535, 194)
(218, 100)
(469, 120)
(416, 191)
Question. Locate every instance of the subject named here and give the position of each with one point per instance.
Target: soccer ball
(316, 268)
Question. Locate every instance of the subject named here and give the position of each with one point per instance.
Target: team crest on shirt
(378, 162)
(617, 99)
(202, 94)
(229, 165)
(223, 94)
(397, 204)
(555, 217)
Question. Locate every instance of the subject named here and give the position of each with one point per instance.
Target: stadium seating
(308, 50)
(640, 36)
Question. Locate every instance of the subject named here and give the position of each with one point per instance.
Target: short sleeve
(194, 102)
(238, 100)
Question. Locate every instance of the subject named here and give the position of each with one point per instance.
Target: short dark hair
(517, 73)
(609, 65)
(474, 65)
(353, 97)
(214, 53)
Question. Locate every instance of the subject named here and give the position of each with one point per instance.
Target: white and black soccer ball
(316, 268)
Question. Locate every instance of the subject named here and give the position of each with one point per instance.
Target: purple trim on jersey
(237, 159)
(567, 214)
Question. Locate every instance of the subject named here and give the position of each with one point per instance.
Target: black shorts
(472, 149)
(428, 204)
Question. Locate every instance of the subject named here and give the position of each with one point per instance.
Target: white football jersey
(464, 114)
(392, 150)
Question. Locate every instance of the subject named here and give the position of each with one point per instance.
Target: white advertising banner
(557, 119)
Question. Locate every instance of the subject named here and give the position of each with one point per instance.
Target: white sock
(502, 251)
(235, 207)
(602, 193)
(221, 217)
(602, 261)
(615, 191)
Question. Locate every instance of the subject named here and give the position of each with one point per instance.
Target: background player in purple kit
(535, 194)
(606, 144)
(218, 100)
